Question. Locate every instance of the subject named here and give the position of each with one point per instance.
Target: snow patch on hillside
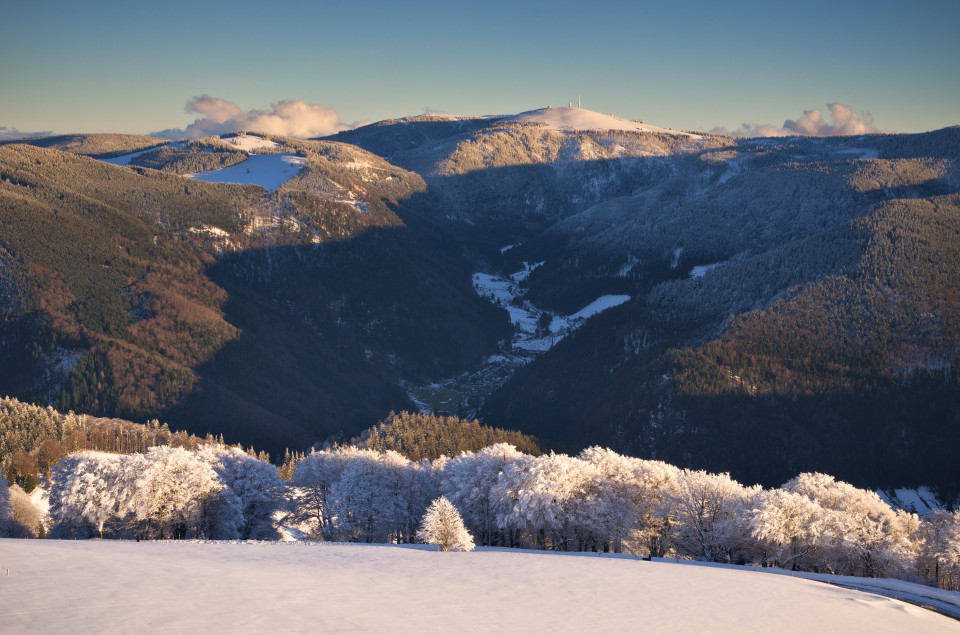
(571, 119)
(701, 270)
(676, 257)
(125, 159)
(602, 303)
(919, 501)
(266, 170)
(129, 587)
(632, 261)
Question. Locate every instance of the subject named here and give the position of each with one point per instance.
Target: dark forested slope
(825, 336)
(275, 318)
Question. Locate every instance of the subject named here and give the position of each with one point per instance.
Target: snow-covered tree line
(598, 500)
(212, 492)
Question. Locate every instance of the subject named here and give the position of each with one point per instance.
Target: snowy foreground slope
(123, 587)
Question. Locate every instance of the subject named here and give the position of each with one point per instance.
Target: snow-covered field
(129, 587)
(266, 170)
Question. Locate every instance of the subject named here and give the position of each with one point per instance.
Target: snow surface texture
(570, 119)
(266, 170)
(123, 587)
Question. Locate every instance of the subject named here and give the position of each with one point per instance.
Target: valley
(535, 332)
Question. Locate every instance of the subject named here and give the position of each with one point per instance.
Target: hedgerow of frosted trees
(596, 501)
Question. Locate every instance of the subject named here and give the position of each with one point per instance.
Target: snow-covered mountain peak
(569, 119)
(249, 143)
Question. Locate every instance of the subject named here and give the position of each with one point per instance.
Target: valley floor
(123, 587)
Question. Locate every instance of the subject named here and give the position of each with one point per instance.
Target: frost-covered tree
(418, 485)
(545, 498)
(467, 481)
(170, 489)
(629, 501)
(866, 536)
(660, 528)
(939, 547)
(4, 507)
(26, 521)
(86, 492)
(314, 479)
(443, 526)
(366, 500)
(257, 486)
(712, 512)
(793, 529)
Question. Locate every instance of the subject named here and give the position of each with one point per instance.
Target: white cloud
(7, 134)
(288, 117)
(841, 121)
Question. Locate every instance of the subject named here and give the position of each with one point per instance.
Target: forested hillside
(278, 319)
(821, 334)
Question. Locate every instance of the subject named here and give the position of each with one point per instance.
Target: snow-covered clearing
(701, 270)
(602, 303)
(266, 170)
(123, 587)
(570, 119)
(249, 143)
(124, 159)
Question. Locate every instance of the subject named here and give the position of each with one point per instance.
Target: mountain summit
(570, 119)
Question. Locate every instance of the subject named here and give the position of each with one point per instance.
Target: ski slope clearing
(266, 170)
(570, 119)
(602, 303)
(123, 587)
(124, 159)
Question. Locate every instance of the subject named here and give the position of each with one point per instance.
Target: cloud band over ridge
(842, 121)
(287, 117)
(9, 134)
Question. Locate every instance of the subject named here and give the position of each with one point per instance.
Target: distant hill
(98, 146)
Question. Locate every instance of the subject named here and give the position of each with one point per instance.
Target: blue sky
(132, 67)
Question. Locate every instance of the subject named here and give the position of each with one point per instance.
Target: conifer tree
(443, 526)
